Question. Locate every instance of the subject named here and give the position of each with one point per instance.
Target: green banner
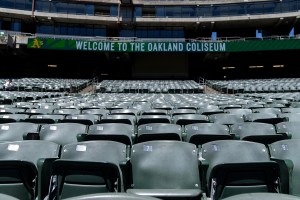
(115, 46)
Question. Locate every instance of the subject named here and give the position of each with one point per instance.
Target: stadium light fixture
(256, 66)
(278, 66)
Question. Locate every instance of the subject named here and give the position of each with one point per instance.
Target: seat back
(17, 131)
(288, 151)
(19, 163)
(158, 131)
(238, 167)
(165, 169)
(62, 133)
(89, 167)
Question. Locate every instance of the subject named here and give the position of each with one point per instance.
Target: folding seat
(130, 111)
(165, 169)
(8, 118)
(154, 112)
(238, 111)
(230, 106)
(200, 133)
(291, 129)
(66, 111)
(253, 105)
(95, 111)
(275, 111)
(274, 105)
(158, 131)
(162, 106)
(226, 118)
(147, 119)
(291, 117)
(44, 119)
(286, 153)
(290, 110)
(262, 195)
(118, 132)
(182, 111)
(61, 133)
(87, 168)
(185, 119)
(23, 164)
(233, 167)
(86, 119)
(17, 131)
(125, 119)
(257, 132)
(12, 110)
(110, 196)
(38, 111)
(210, 110)
(264, 118)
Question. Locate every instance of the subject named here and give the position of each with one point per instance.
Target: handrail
(136, 39)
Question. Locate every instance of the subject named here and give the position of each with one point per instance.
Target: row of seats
(198, 133)
(256, 85)
(47, 84)
(163, 169)
(149, 86)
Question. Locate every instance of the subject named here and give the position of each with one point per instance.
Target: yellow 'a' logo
(37, 43)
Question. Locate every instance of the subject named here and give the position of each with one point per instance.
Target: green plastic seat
(233, 167)
(286, 153)
(165, 169)
(23, 166)
(88, 167)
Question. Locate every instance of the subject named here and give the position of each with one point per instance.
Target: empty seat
(154, 112)
(291, 117)
(292, 129)
(131, 111)
(286, 153)
(125, 119)
(95, 111)
(270, 118)
(86, 119)
(19, 164)
(8, 118)
(61, 133)
(123, 133)
(17, 131)
(235, 167)
(201, 133)
(66, 111)
(165, 169)
(262, 196)
(257, 132)
(44, 119)
(158, 131)
(182, 111)
(225, 118)
(110, 196)
(238, 111)
(185, 119)
(147, 119)
(88, 167)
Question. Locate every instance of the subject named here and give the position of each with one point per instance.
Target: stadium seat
(88, 167)
(158, 131)
(291, 129)
(226, 118)
(200, 133)
(118, 132)
(61, 133)
(286, 153)
(185, 119)
(147, 119)
(22, 164)
(270, 118)
(110, 196)
(17, 131)
(262, 196)
(257, 132)
(45, 119)
(165, 169)
(86, 119)
(125, 119)
(233, 167)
